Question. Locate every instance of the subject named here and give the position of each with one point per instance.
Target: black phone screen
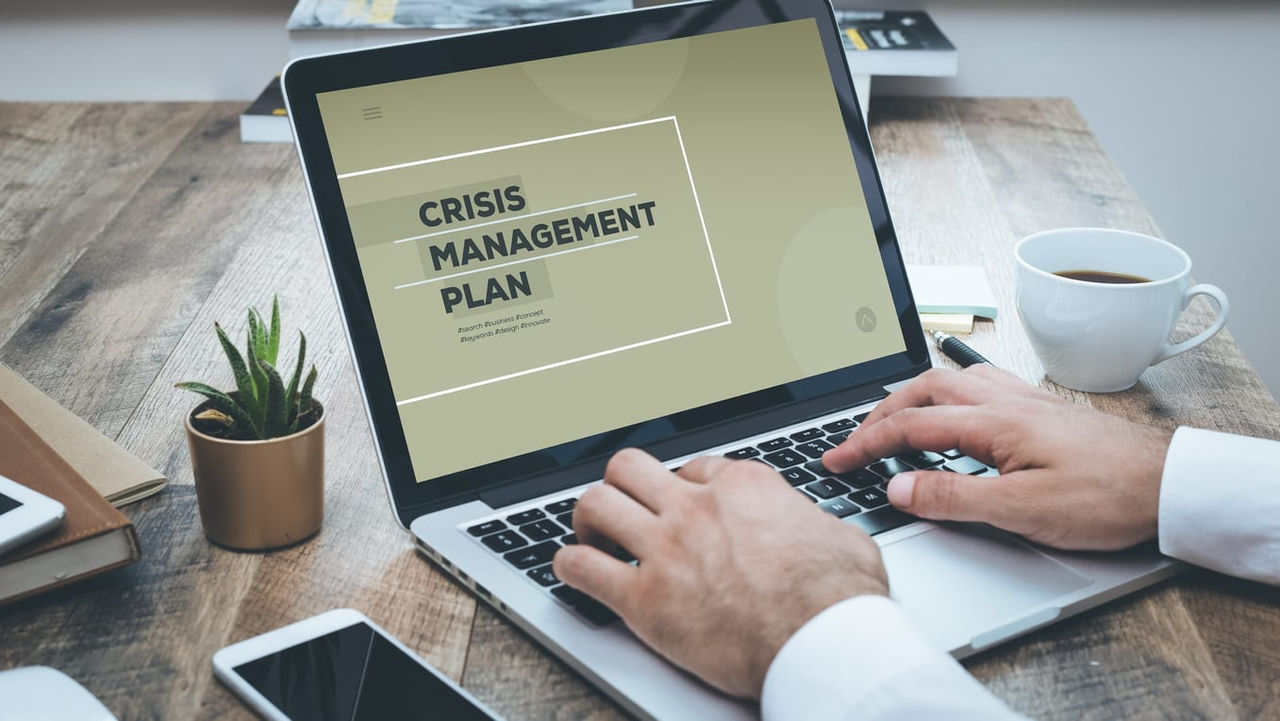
(353, 674)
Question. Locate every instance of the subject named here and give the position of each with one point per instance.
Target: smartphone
(25, 514)
(340, 666)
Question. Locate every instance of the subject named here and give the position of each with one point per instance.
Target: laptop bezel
(582, 459)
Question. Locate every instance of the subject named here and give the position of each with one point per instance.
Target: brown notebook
(94, 537)
(116, 473)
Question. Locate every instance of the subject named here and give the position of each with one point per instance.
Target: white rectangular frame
(697, 204)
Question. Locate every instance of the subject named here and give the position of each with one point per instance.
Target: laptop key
(836, 439)
(890, 467)
(814, 449)
(543, 575)
(559, 507)
(570, 539)
(965, 465)
(922, 459)
(861, 478)
(484, 529)
(533, 555)
(843, 424)
(591, 609)
(807, 434)
(785, 458)
(776, 444)
(953, 453)
(796, 475)
(529, 516)
(542, 530)
(566, 520)
(815, 467)
(861, 416)
(880, 520)
(504, 541)
(827, 488)
(839, 507)
(858, 477)
(869, 498)
(742, 454)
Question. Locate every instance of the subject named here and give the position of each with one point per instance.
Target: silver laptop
(661, 228)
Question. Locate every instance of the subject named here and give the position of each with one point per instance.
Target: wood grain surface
(126, 230)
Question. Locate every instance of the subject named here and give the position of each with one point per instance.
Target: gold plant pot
(258, 495)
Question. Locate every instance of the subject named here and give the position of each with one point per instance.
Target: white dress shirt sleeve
(1220, 503)
(863, 660)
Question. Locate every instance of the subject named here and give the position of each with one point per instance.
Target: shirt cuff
(860, 659)
(1220, 503)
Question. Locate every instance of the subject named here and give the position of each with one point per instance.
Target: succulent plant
(262, 406)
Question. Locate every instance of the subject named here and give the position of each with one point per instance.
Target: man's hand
(1070, 477)
(732, 561)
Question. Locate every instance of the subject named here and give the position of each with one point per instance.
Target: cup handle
(1169, 350)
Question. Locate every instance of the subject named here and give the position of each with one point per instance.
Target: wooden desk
(126, 230)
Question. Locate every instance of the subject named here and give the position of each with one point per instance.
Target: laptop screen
(558, 248)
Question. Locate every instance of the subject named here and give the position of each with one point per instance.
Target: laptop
(661, 228)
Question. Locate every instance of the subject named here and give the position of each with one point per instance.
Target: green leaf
(291, 392)
(257, 334)
(262, 383)
(274, 424)
(224, 403)
(249, 351)
(244, 381)
(252, 332)
(304, 402)
(273, 340)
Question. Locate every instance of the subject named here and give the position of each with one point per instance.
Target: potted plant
(257, 452)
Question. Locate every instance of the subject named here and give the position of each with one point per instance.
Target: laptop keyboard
(528, 539)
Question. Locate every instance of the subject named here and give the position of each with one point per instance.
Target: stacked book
(896, 43)
(51, 451)
(875, 42)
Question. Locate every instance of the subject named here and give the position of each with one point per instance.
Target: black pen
(955, 349)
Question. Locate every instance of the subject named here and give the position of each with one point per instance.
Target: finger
(936, 428)
(605, 515)
(935, 387)
(944, 496)
(703, 468)
(1008, 381)
(640, 476)
(596, 574)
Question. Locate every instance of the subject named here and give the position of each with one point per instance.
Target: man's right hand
(1070, 477)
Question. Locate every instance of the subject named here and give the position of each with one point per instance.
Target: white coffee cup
(1099, 337)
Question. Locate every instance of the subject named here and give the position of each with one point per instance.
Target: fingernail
(901, 489)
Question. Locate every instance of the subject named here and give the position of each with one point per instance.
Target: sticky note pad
(947, 322)
(957, 289)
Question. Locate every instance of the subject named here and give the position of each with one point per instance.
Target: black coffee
(1102, 276)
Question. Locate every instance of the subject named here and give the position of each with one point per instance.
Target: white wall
(1185, 96)
(140, 49)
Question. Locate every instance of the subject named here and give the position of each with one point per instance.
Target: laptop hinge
(686, 443)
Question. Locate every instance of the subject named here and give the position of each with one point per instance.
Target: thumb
(946, 496)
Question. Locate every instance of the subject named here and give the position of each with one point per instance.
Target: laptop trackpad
(962, 581)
